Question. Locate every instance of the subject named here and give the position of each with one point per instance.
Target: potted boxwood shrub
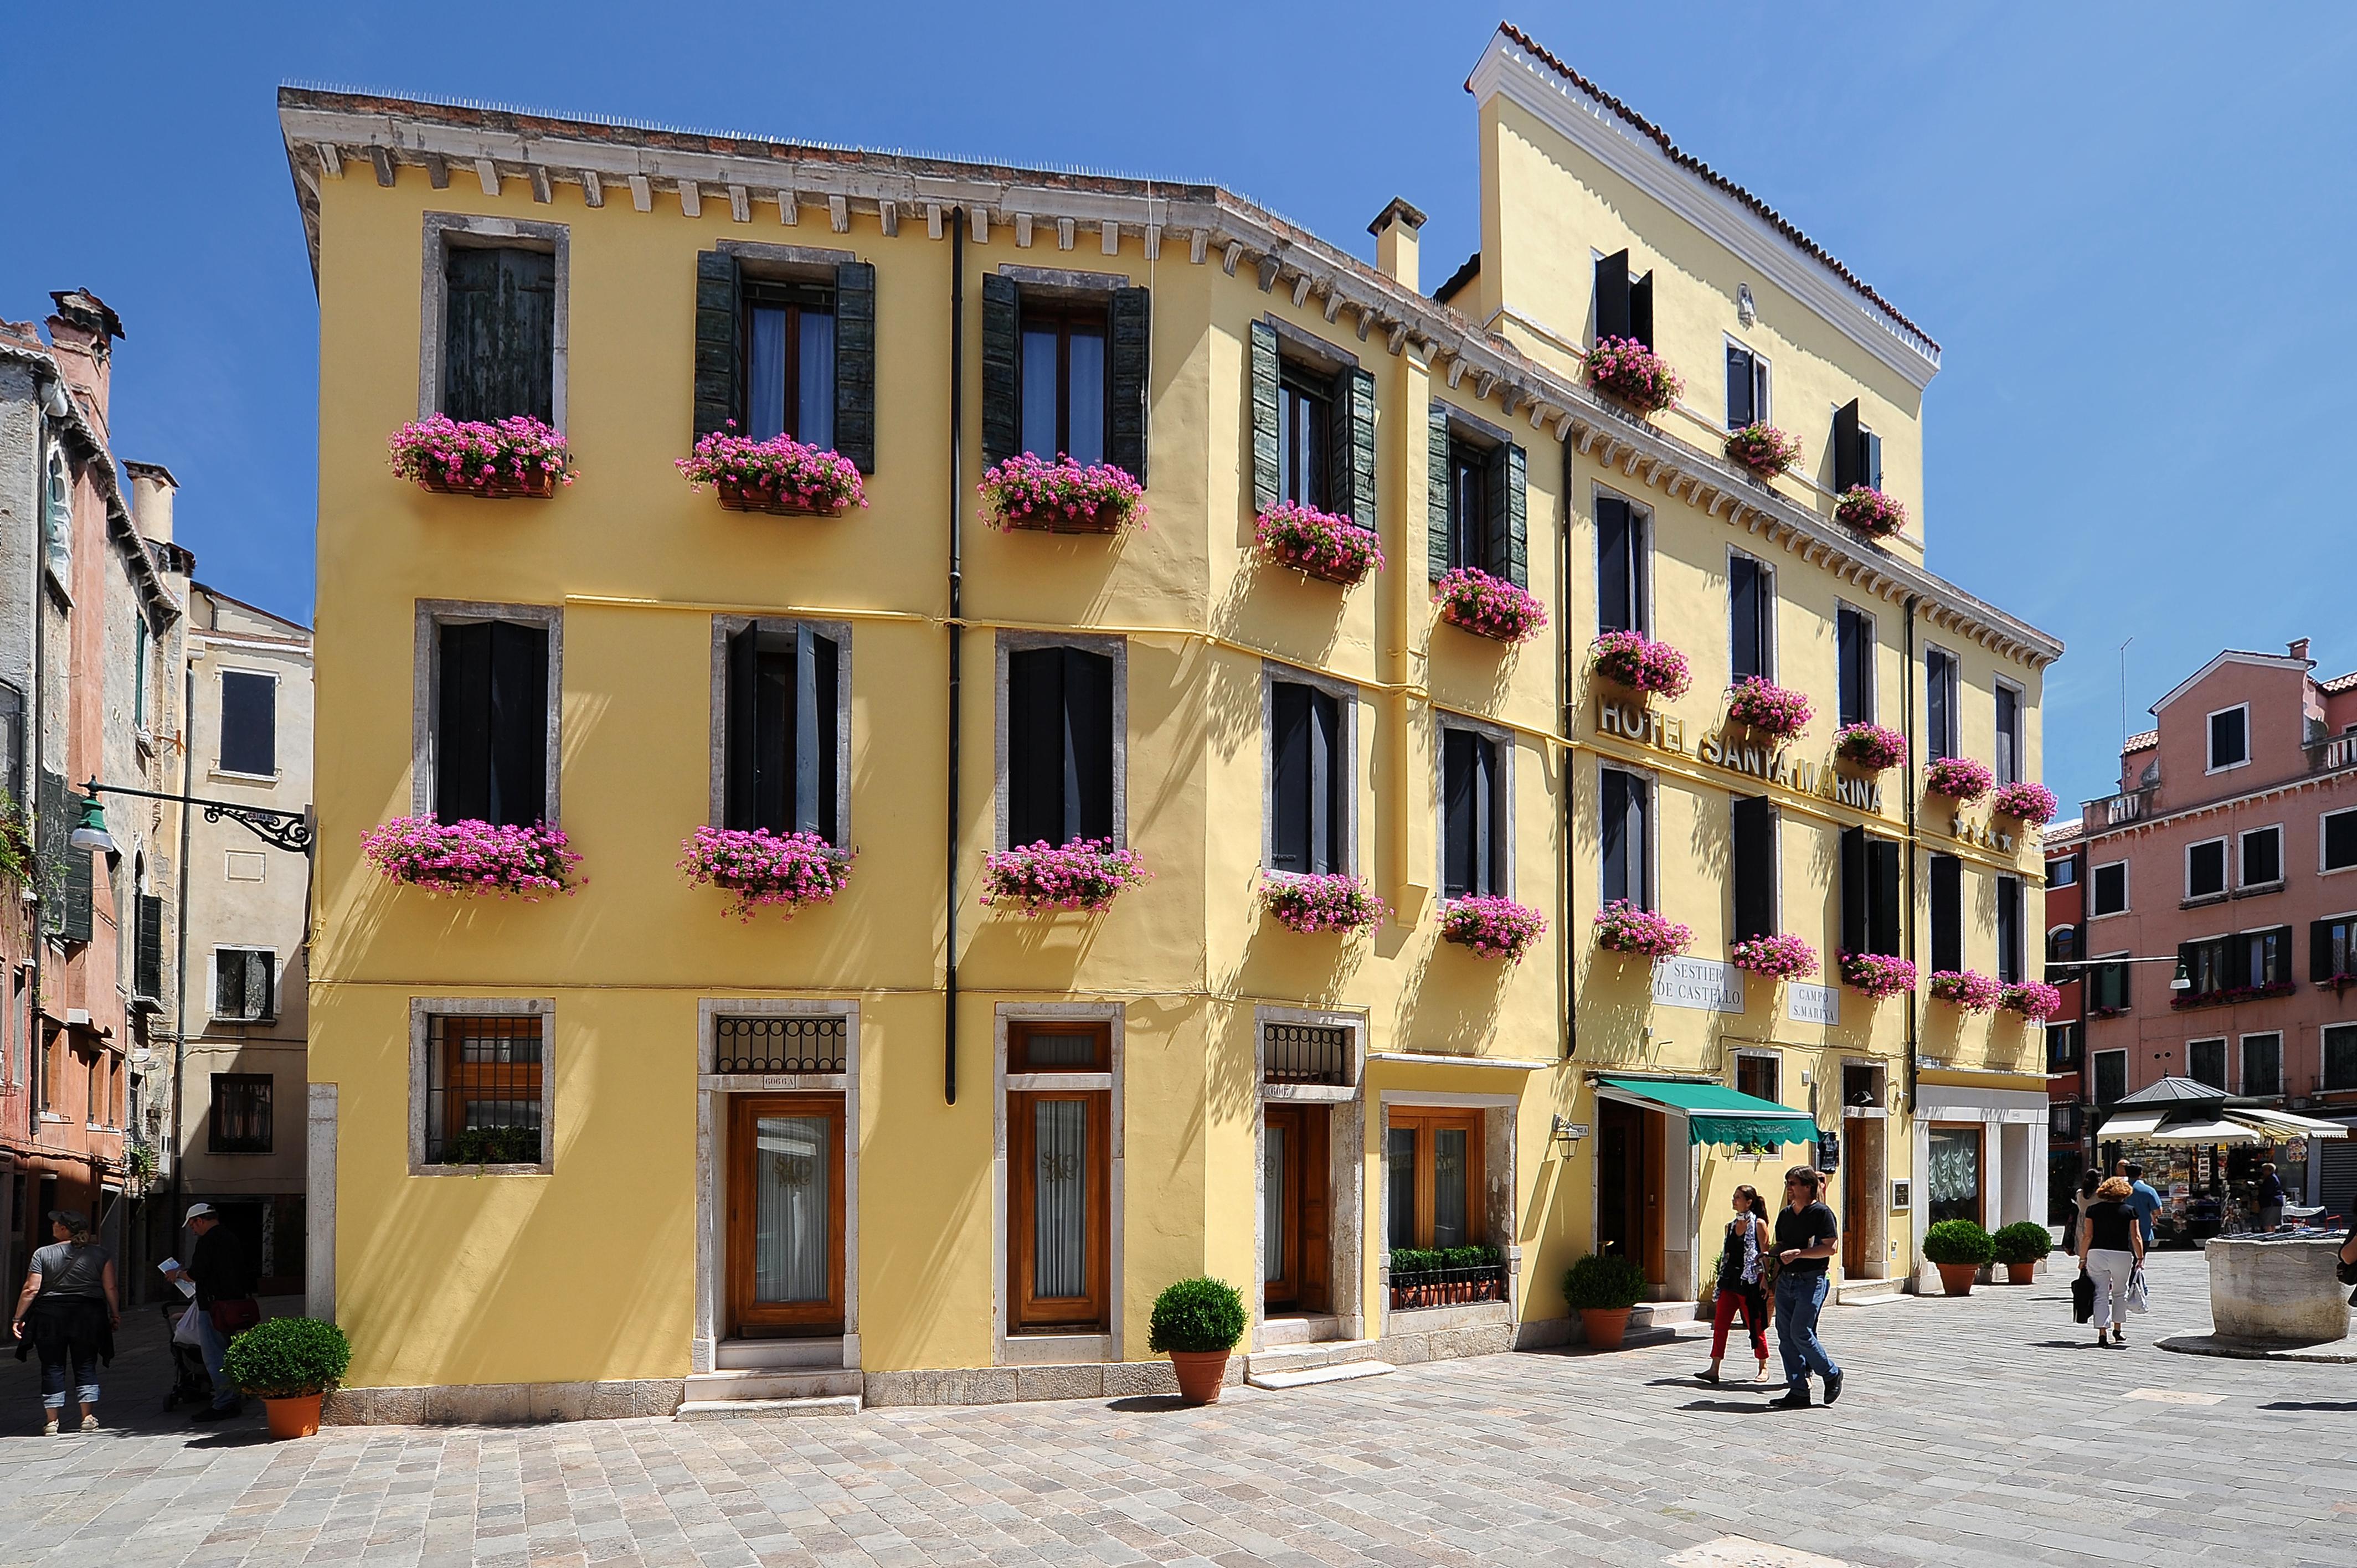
(2020, 1247)
(289, 1363)
(1198, 1322)
(1961, 1250)
(1602, 1288)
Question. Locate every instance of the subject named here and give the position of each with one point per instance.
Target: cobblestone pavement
(1980, 1430)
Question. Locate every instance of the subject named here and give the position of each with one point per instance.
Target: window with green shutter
(499, 340)
(1313, 429)
(787, 348)
(1479, 512)
(1064, 373)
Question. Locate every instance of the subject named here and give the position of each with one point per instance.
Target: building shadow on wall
(1616, 1006)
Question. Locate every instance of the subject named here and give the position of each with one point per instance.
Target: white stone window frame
(1346, 697)
(1117, 649)
(2211, 764)
(2096, 1072)
(1769, 1054)
(2241, 1062)
(2226, 869)
(2095, 881)
(221, 714)
(2225, 1059)
(1763, 382)
(1640, 546)
(1346, 1161)
(442, 232)
(1054, 1349)
(422, 1010)
(2243, 836)
(1501, 1147)
(712, 1092)
(2323, 825)
(212, 978)
(1502, 739)
(2324, 1041)
(426, 682)
(838, 632)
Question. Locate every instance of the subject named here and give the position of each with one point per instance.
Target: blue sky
(2128, 226)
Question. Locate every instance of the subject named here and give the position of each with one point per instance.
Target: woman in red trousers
(1746, 1265)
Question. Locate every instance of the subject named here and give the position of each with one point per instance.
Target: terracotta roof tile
(1711, 177)
(2143, 740)
(2338, 683)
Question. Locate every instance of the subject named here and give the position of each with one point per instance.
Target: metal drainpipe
(180, 962)
(35, 1053)
(1570, 814)
(1908, 714)
(956, 635)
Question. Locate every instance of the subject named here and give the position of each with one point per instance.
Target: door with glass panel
(1433, 1179)
(785, 1214)
(1296, 1244)
(1059, 1167)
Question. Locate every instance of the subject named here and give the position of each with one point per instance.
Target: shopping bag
(2083, 1299)
(2138, 1299)
(185, 1332)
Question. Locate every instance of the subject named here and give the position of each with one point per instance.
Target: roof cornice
(334, 136)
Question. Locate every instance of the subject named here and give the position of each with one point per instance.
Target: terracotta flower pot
(297, 1415)
(2022, 1273)
(1201, 1374)
(1604, 1325)
(1957, 1279)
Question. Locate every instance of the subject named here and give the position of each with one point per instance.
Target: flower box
(1876, 976)
(1085, 874)
(1445, 1276)
(1493, 927)
(512, 459)
(1959, 777)
(765, 870)
(2033, 999)
(1765, 450)
(2031, 803)
(1625, 369)
(2228, 996)
(1763, 705)
(1780, 957)
(1623, 928)
(1323, 902)
(1632, 659)
(1472, 600)
(1033, 495)
(1877, 749)
(1968, 989)
(781, 476)
(1870, 512)
(472, 858)
(1323, 545)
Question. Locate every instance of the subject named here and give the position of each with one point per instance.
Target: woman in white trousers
(2111, 1248)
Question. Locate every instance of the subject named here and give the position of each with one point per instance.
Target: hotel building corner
(615, 1151)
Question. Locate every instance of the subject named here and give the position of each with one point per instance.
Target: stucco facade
(599, 1277)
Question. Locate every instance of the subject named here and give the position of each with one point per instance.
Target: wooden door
(1058, 1200)
(1853, 1205)
(1619, 1182)
(1653, 1163)
(1297, 1238)
(785, 1214)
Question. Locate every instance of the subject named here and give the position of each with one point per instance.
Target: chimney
(152, 489)
(2299, 648)
(1395, 231)
(82, 339)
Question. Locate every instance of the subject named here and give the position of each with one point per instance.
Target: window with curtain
(2332, 948)
(1472, 807)
(781, 730)
(1625, 843)
(1309, 781)
(1063, 380)
(1953, 1174)
(1058, 1171)
(239, 1123)
(1620, 564)
(789, 343)
(1060, 745)
(1469, 503)
(1304, 412)
(793, 1209)
(2206, 964)
(491, 731)
(2107, 986)
(2265, 956)
(244, 984)
(1274, 1158)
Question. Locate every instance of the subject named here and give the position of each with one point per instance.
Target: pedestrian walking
(2088, 1182)
(1806, 1235)
(2111, 1248)
(68, 1311)
(2268, 1198)
(1746, 1270)
(221, 1268)
(2144, 1200)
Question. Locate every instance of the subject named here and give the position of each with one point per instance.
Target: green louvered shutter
(716, 350)
(1265, 431)
(855, 363)
(1355, 447)
(1436, 522)
(1126, 373)
(1002, 310)
(148, 967)
(75, 916)
(1513, 500)
(49, 831)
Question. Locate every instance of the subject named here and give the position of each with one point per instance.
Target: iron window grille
(483, 1090)
(1306, 1053)
(752, 1043)
(241, 1119)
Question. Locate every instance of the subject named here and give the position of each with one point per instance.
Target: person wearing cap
(68, 1311)
(220, 1266)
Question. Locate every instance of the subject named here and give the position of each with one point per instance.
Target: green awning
(1717, 1114)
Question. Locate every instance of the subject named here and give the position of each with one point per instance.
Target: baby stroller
(192, 1385)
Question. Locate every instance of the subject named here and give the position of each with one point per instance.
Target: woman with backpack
(1747, 1269)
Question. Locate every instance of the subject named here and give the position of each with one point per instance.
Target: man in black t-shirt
(1806, 1235)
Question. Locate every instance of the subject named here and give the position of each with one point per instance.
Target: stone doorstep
(1306, 1358)
(707, 1410)
(773, 1384)
(1869, 1293)
(1332, 1372)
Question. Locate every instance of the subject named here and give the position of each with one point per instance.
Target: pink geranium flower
(1321, 543)
(1472, 599)
(1026, 491)
(1493, 927)
(1621, 927)
(2031, 803)
(473, 456)
(1626, 368)
(472, 858)
(1632, 659)
(780, 468)
(1959, 777)
(765, 870)
(1876, 748)
(1322, 902)
(1877, 975)
(1780, 957)
(1085, 874)
(1968, 989)
(1763, 705)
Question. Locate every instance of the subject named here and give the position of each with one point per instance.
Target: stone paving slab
(1982, 1431)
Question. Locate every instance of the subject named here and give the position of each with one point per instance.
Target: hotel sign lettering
(1765, 763)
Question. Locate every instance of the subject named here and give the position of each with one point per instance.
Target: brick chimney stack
(1395, 229)
(2299, 648)
(81, 340)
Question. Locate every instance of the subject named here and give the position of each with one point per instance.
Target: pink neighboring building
(2232, 846)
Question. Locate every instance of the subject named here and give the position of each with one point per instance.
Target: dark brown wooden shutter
(1886, 897)
(1849, 457)
(1002, 406)
(1129, 359)
(719, 349)
(855, 363)
(1754, 865)
(499, 342)
(1436, 516)
(1856, 929)
(1947, 912)
(2319, 951)
(75, 921)
(1616, 608)
(1354, 468)
(1612, 295)
(1266, 418)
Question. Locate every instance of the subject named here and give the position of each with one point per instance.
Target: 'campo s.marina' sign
(1766, 763)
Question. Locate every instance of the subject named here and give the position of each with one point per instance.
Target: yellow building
(605, 1152)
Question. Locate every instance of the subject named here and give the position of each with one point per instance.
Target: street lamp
(90, 833)
(289, 831)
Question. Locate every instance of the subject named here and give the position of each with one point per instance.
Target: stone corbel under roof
(93, 454)
(340, 135)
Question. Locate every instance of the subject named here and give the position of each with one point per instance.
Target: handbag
(235, 1316)
(2083, 1298)
(2139, 1299)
